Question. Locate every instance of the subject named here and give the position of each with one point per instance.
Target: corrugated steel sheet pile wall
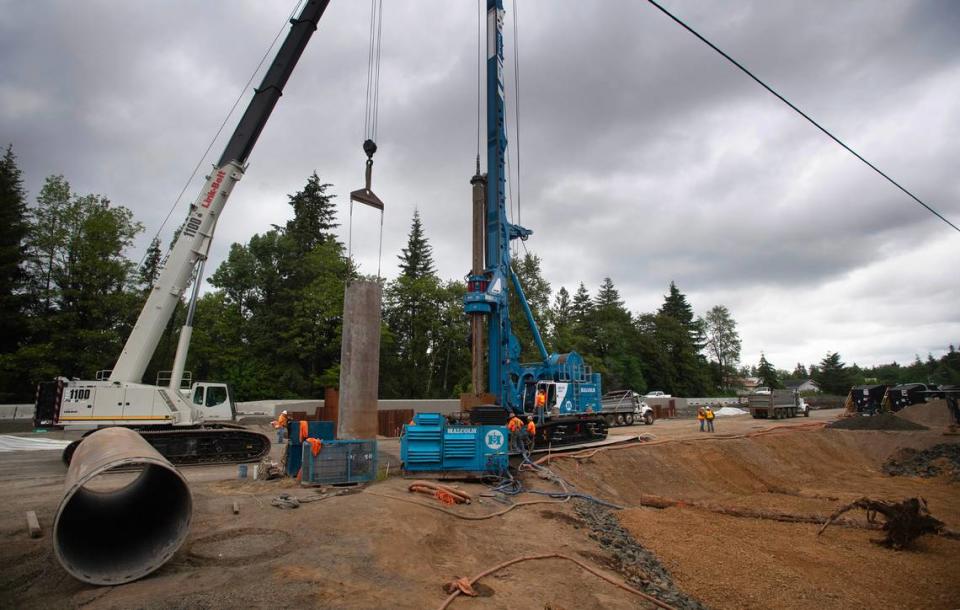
(390, 422)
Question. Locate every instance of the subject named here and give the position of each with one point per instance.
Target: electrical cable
(222, 125)
(801, 113)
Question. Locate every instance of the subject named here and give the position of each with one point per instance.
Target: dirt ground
(381, 548)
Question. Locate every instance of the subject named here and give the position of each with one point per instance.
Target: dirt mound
(934, 414)
(943, 459)
(884, 421)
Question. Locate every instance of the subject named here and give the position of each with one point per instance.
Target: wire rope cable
(801, 113)
(223, 124)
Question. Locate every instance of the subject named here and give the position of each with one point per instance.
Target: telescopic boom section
(194, 241)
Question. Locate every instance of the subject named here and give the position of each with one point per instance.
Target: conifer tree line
(269, 323)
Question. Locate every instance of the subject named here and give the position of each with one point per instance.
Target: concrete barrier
(16, 411)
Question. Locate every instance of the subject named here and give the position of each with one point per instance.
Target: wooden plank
(33, 524)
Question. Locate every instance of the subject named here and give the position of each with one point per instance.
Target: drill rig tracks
(208, 444)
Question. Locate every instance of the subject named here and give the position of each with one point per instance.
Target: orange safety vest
(281, 421)
(710, 414)
(514, 424)
(304, 430)
(541, 399)
(531, 428)
(316, 445)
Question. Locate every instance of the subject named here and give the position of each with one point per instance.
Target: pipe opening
(120, 526)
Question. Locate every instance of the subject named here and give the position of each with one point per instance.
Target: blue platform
(431, 445)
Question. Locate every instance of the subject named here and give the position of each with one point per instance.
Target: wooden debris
(905, 521)
(236, 508)
(33, 524)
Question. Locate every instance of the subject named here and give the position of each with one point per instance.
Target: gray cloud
(644, 155)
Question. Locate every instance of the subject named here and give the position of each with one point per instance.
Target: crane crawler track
(208, 444)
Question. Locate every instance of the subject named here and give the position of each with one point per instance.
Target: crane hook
(366, 195)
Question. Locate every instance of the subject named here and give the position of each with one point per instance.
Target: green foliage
(768, 373)
(722, 344)
(833, 376)
(13, 253)
(537, 291)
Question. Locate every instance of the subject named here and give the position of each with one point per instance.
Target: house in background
(801, 385)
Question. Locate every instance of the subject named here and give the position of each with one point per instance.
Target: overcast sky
(644, 156)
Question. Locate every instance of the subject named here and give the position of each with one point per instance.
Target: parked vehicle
(624, 408)
(656, 394)
(777, 404)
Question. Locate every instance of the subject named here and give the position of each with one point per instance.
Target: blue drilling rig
(558, 392)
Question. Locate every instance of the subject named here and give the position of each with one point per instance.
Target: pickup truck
(656, 394)
(624, 408)
(777, 404)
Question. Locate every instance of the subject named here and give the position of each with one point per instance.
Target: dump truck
(625, 408)
(778, 404)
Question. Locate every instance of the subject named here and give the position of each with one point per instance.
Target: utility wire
(196, 168)
(801, 113)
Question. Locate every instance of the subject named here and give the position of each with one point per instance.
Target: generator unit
(431, 445)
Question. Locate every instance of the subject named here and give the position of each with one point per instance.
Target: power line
(801, 113)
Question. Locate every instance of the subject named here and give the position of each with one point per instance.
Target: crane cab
(213, 400)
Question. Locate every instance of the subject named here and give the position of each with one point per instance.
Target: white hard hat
(284, 411)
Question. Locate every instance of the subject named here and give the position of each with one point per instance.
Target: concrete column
(360, 361)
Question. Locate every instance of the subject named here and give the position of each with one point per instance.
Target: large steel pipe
(116, 528)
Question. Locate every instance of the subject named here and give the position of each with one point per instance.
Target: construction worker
(541, 400)
(709, 415)
(531, 433)
(515, 427)
(701, 417)
(281, 425)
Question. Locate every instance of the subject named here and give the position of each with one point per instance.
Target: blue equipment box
(431, 445)
(318, 429)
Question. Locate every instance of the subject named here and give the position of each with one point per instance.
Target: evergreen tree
(151, 265)
(833, 376)
(612, 345)
(675, 305)
(13, 253)
(413, 314)
(314, 215)
(767, 373)
(800, 372)
(416, 260)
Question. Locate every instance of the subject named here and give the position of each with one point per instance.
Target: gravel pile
(943, 459)
(641, 568)
(884, 421)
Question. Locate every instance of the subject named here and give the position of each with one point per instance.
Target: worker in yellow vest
(701, 416)
(708, 414)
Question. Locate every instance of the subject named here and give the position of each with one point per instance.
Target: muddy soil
(732, 562)
(382, 548)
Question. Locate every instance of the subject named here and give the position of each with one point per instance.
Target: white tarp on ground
(8, 442)
(730, 411)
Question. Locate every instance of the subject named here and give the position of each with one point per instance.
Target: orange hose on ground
(614, 581)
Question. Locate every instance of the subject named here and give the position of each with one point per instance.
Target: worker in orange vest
(515, 427)
(281, 425)
(531, 433)
(541, 400)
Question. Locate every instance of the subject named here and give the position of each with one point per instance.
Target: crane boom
(193, 243)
